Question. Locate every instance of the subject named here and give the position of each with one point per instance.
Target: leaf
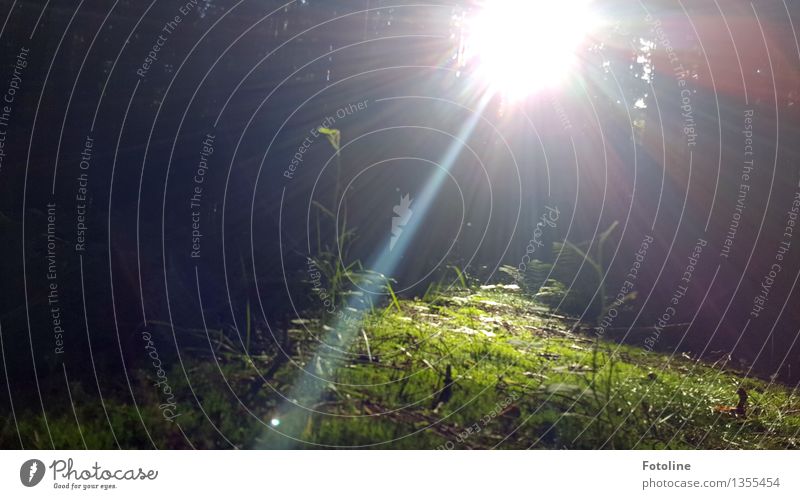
(334, 136)
(740, 410)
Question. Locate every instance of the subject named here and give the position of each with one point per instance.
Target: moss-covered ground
(470, 369)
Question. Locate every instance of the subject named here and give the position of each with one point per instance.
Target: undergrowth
(466, 368)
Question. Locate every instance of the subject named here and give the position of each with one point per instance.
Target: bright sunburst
(522, 46)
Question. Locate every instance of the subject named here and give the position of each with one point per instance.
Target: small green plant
(394, 302)
(574, 283)
(433, 292)
(461, 276)
(341, 282)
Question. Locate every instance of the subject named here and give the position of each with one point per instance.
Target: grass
(490, 369)
(473, 368)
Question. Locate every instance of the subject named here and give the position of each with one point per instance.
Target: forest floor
(470, 369)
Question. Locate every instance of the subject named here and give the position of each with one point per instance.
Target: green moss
(469, 369)
(565, 390)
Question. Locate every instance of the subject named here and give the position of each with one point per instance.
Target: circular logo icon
(31, 472)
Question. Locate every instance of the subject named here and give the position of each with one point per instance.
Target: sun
(519, 47)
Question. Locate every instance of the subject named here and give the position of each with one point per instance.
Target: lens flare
(522, 46)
